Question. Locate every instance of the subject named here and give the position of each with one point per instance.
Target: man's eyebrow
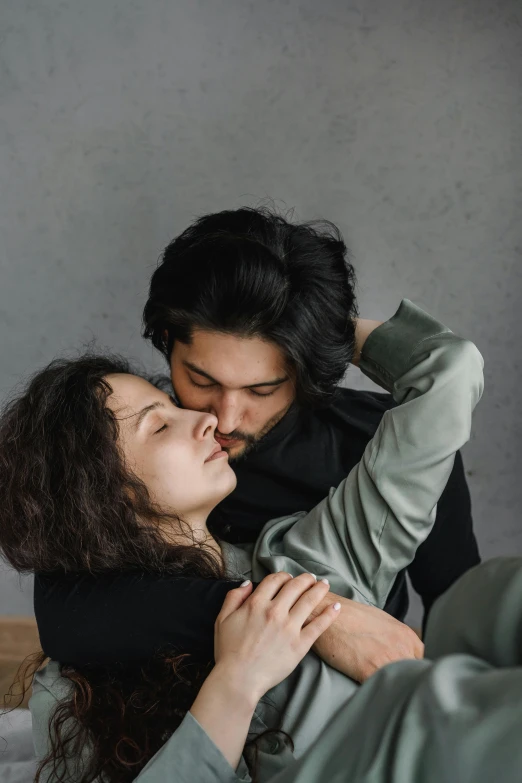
(198, 371)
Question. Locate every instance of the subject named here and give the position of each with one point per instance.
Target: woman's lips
(217, 453)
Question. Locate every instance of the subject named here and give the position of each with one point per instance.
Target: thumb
(234, 599)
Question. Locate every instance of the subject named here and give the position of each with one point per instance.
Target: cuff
(386, 352)
(190, 755)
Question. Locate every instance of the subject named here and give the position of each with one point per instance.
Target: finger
(419, 650)
(310, 603)
(311, 632)
(269, 587)
(234, 599)
(292, 590)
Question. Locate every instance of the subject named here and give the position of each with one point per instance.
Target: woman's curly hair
(70, 504)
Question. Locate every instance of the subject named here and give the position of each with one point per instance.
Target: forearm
(363, 639)
(135, 615)
(391, 495)
(224, 708)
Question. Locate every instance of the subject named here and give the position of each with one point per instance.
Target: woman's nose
(205, 426)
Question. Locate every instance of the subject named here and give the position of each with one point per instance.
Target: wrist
(363, 329)
(224, 709)
(329, 599)
(238, 690)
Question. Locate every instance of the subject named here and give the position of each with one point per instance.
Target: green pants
(455, 716)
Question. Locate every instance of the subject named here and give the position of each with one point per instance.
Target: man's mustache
(237, 435)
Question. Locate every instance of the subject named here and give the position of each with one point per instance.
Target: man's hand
(364, 639)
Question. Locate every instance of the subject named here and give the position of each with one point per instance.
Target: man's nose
(228, 413)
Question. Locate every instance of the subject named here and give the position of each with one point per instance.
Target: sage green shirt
(359, 537)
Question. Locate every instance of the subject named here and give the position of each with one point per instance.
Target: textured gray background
(401, 121)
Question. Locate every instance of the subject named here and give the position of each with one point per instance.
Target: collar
(237, 558)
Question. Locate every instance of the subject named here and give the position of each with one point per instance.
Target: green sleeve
(455, 719)
(188, 756)
(481, 614)
(369, 528)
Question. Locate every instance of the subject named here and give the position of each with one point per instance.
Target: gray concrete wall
(401, 121)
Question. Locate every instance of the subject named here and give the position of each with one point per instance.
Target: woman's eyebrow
(143, 412)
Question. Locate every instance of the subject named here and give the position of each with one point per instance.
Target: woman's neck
(193, 533)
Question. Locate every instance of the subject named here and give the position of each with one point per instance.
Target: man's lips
(216, 453)
(227, 443)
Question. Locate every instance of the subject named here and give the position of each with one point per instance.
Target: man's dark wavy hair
(252, 273)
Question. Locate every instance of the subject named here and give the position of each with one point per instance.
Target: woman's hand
(363, 329)
(260, 637)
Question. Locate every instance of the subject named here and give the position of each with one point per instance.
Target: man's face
(242, 381)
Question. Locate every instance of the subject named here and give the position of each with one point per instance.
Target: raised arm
(369, 528)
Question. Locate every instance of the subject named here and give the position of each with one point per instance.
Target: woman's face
(170, 449)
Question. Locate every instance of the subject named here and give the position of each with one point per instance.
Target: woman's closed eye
(164, 427)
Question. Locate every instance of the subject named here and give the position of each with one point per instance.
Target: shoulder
(357, 409)
(50, 681)
(359, 399)
(49, 688)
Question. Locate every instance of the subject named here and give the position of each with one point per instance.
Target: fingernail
(337, 606)
(326, 582)
(245, 583)
(314, 576)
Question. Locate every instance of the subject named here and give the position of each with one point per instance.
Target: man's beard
(251, 441)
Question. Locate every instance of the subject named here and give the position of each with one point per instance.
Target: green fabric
(453, 719)
(359, 537)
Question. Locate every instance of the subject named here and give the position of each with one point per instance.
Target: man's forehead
(232, 360)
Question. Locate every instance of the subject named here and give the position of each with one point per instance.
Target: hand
(261, 635)
(363, 329)
(364, 639)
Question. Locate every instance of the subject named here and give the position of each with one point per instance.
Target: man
(255, 317)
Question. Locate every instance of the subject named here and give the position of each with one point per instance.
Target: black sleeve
(125, 617)
(451, 547)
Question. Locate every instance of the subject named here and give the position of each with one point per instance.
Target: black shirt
(126, 616)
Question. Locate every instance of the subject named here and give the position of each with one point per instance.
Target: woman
(154, 473)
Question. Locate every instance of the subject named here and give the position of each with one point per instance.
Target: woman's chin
(228, 485)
